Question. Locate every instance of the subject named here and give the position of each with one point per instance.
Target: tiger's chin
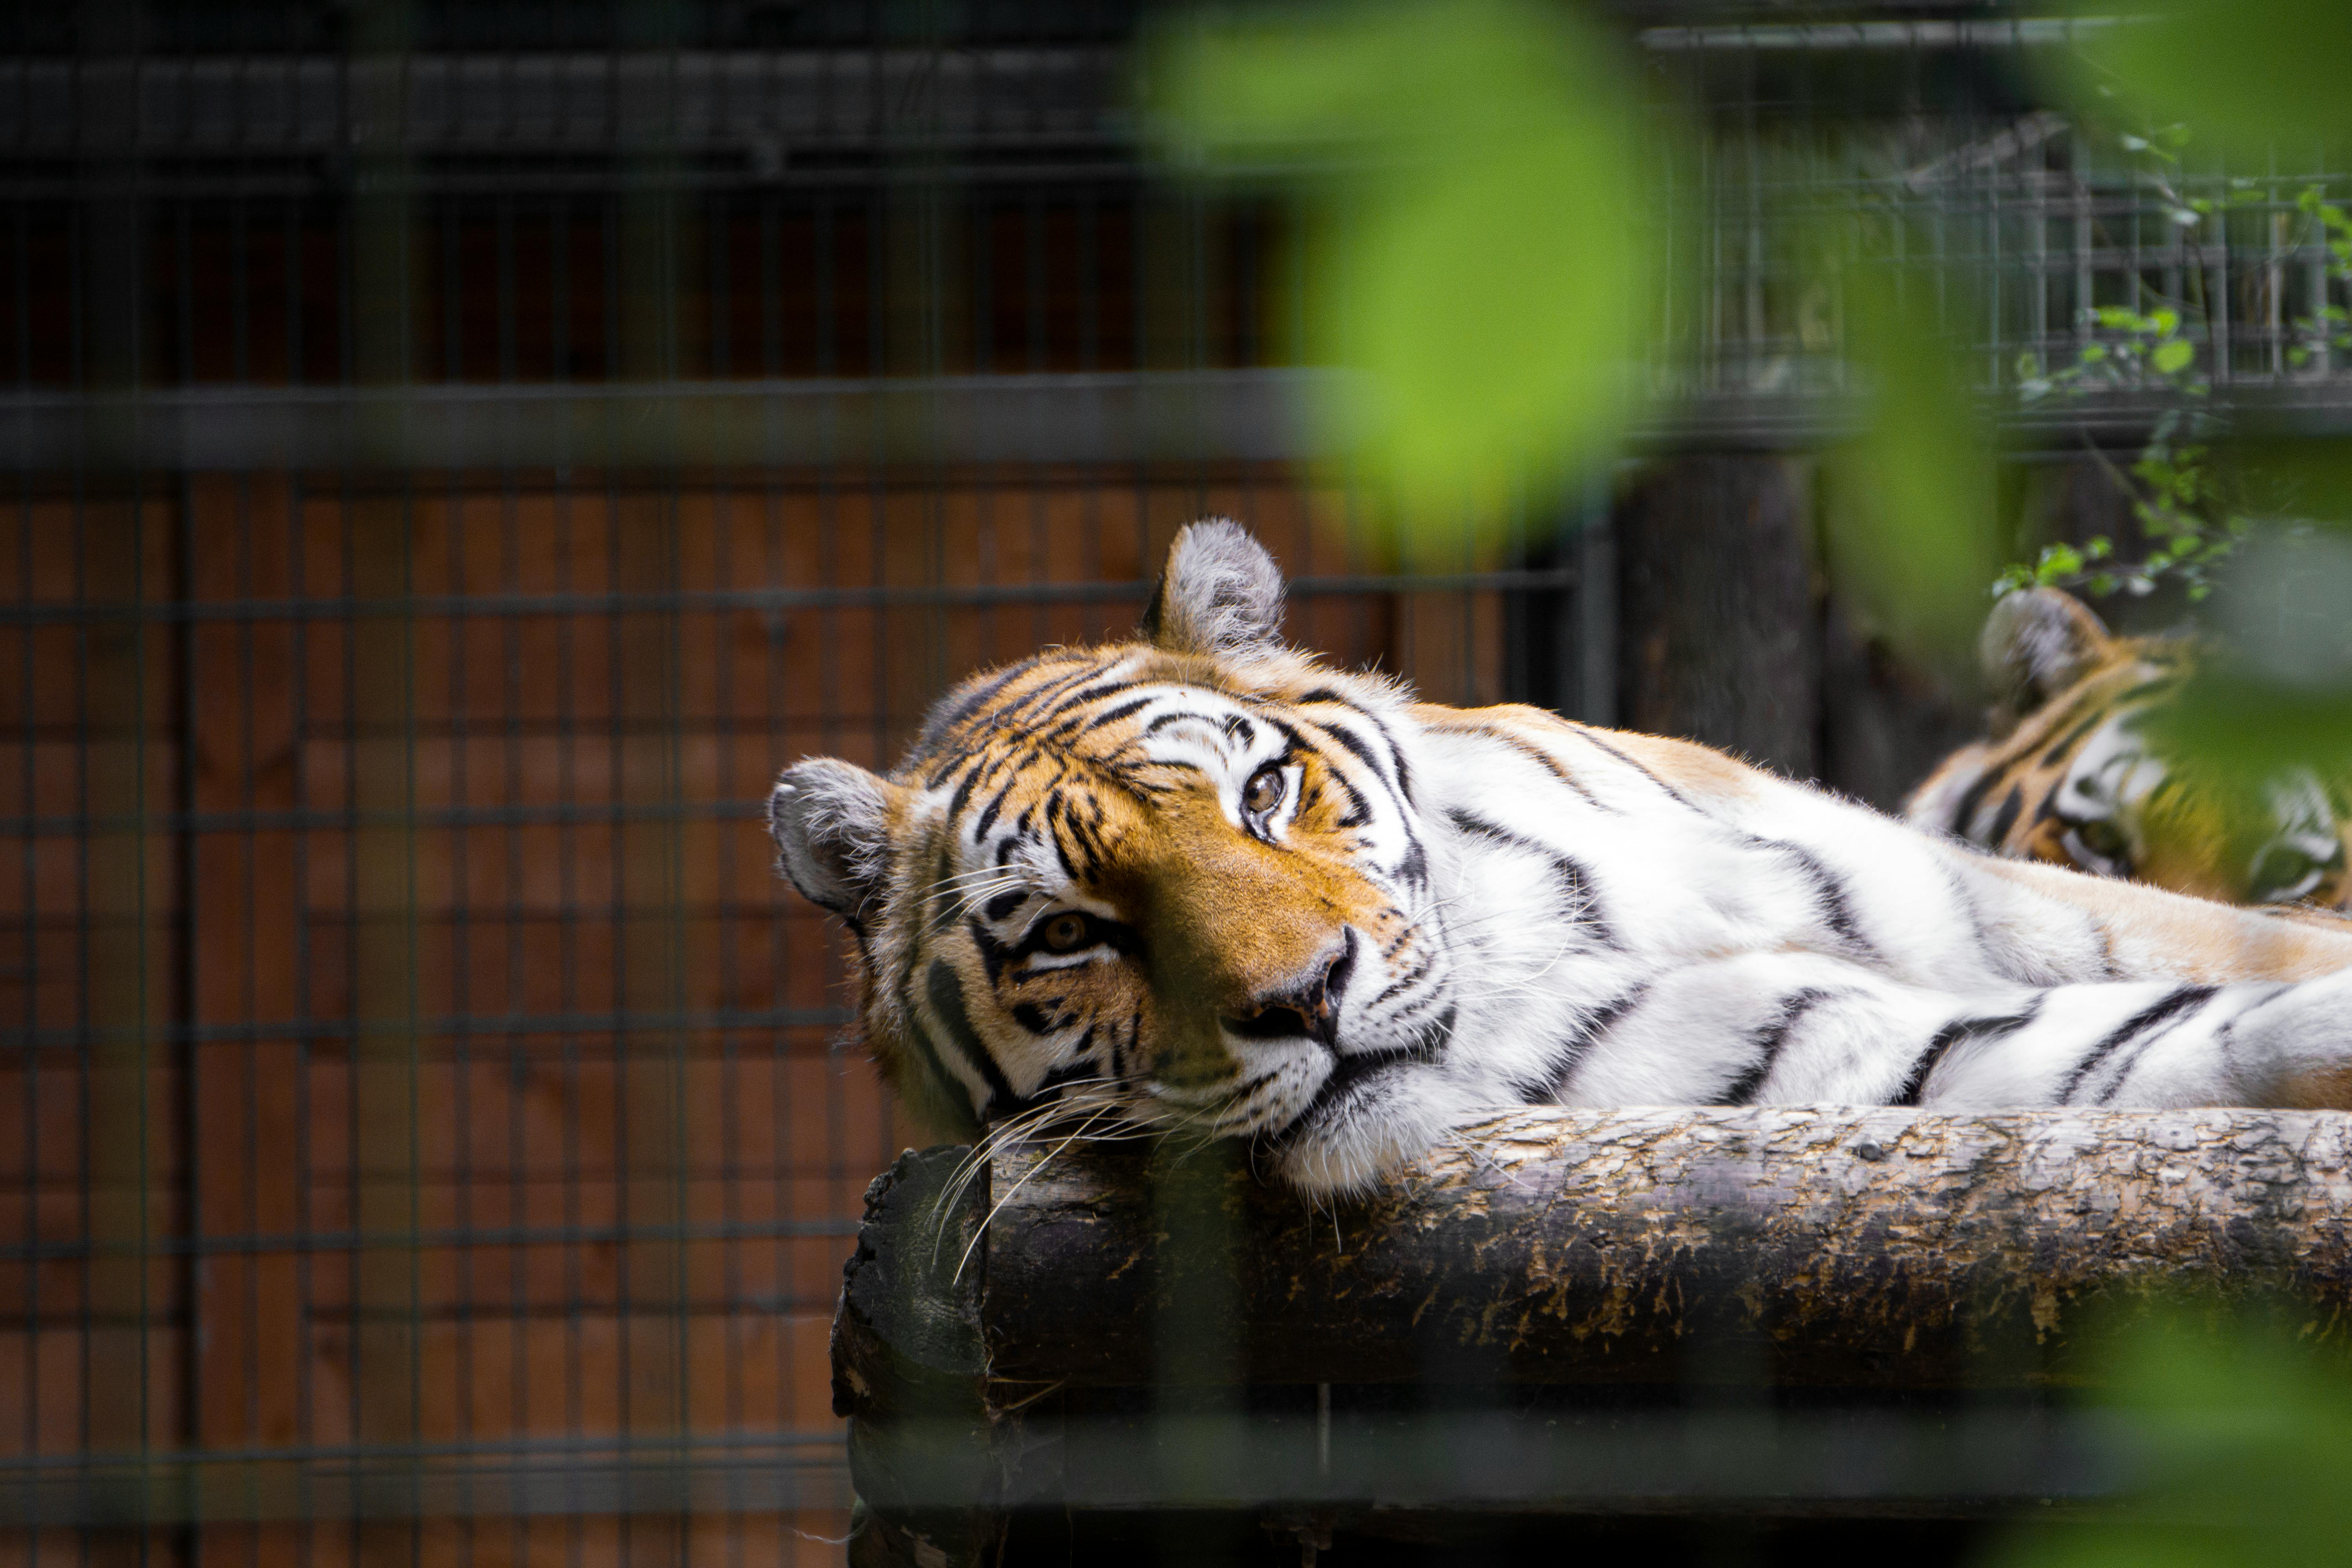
(1358, 1147)
(1347, 1143)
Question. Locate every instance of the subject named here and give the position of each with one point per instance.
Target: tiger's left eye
(1065, 932)
(1263, 791)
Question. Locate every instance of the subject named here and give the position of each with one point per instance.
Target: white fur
(1717, 935)
(1578, 930)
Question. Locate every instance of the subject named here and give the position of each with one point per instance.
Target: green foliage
(2278, 694)
(1475, 251)
(1480, 250)
(2241, 1429)
(2327, 331)
(2185, 504)
(2254, 73)
(1912, 539)
(2237, 718)
(2171, 483)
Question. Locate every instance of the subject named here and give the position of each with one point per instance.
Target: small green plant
(2170, 482)
(2328, 329)
(2176, 495)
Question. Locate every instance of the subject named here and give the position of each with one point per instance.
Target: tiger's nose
(1310, 1008)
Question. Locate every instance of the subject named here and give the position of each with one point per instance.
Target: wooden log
(1815, 1245)
(1574, 1297)
(908, 1370)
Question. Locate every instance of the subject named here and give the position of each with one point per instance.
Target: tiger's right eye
(1263, 791)
(1065, 932)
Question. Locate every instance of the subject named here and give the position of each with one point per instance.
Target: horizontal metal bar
(2273, 406)
(747, 1473)
(257, 1244)
(479, 1314)
(589, 1446)
(461, 1025)
(771, 107)
(1176, 416)
(478, 433)
(329, 921)
(483, 606)
(1840, 37)
(1074, 173)
(570, 814)
(1761, 1460)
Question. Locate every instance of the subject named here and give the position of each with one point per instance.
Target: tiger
(1200, 885)
(2069, 774)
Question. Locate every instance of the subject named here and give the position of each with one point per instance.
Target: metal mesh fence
(428, 1105)
(1931, 144)
(454, 468)
(456, 455)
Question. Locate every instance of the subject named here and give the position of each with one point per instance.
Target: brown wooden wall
(415, 1071)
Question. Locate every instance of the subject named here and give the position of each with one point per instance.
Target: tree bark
(1557, 1312)
(909, 1373)
(1811, 1244)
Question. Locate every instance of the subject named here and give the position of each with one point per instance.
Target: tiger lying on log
(1201, 884)
(2070, 775)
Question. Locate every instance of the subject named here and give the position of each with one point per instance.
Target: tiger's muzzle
(1310, 1010)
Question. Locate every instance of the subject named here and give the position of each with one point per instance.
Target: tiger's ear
(1221, 593)
(2038, 642)
(831, 821)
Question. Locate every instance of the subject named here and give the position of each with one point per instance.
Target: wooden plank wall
(414, 1058)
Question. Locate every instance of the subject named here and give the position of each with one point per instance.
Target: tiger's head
(1169, 885)
(2069, 775)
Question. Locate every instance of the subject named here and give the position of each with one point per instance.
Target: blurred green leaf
(1235, 94)
(2232, 719)
(1489, 317)
(2279, 697)
(2243, 1429)
(2173, 355)
(2289, 477)
(1476, 249)
(2249, 72)
(1913, 532)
